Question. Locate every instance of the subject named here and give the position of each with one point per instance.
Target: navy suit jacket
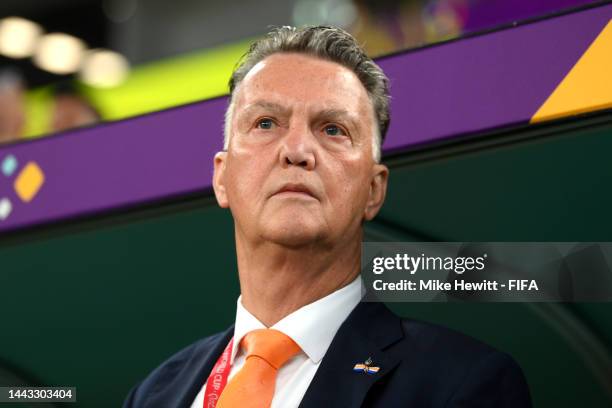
(421, 365)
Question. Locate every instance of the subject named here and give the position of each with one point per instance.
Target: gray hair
(329, 43)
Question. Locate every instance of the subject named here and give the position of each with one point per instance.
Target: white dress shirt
(312, 327)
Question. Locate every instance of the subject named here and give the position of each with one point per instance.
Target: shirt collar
(312, 327)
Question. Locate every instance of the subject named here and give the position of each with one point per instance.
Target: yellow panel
(588, 85)
(38, 112)
(29, 181)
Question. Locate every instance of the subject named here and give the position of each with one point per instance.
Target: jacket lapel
(199, 369)
(368, 331)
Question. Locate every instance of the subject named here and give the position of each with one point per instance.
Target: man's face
(299, 168)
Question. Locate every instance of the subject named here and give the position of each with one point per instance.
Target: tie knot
(271, 345)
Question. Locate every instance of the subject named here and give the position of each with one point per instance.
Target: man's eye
(333, 130)
(265, 124)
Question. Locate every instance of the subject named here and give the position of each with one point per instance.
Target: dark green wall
(98, 309)
(551, 188)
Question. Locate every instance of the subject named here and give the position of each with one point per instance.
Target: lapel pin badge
(366, 367)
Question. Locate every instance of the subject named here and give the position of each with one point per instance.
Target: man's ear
(378, 191)
(219, 179)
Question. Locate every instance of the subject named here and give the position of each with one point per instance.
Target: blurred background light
(104, 68)
(340, 13)
(59, 53)
(18, 37)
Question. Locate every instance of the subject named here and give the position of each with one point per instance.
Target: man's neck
(275, 281)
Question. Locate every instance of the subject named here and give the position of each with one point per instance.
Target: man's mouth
(295, 189)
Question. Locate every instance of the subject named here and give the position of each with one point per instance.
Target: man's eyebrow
(268, 106)
(331, 114)
(335, 113)
(281, 110)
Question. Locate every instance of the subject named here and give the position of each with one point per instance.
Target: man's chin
(293, 235)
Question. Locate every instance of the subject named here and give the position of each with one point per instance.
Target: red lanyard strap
(218, 377)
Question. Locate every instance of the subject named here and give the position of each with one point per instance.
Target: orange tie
(253, 386)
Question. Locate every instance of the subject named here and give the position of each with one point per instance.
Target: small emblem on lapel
(366, 367)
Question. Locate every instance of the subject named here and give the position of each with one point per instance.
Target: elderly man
(301, 173)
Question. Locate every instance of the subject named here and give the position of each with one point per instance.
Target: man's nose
(298, 149)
